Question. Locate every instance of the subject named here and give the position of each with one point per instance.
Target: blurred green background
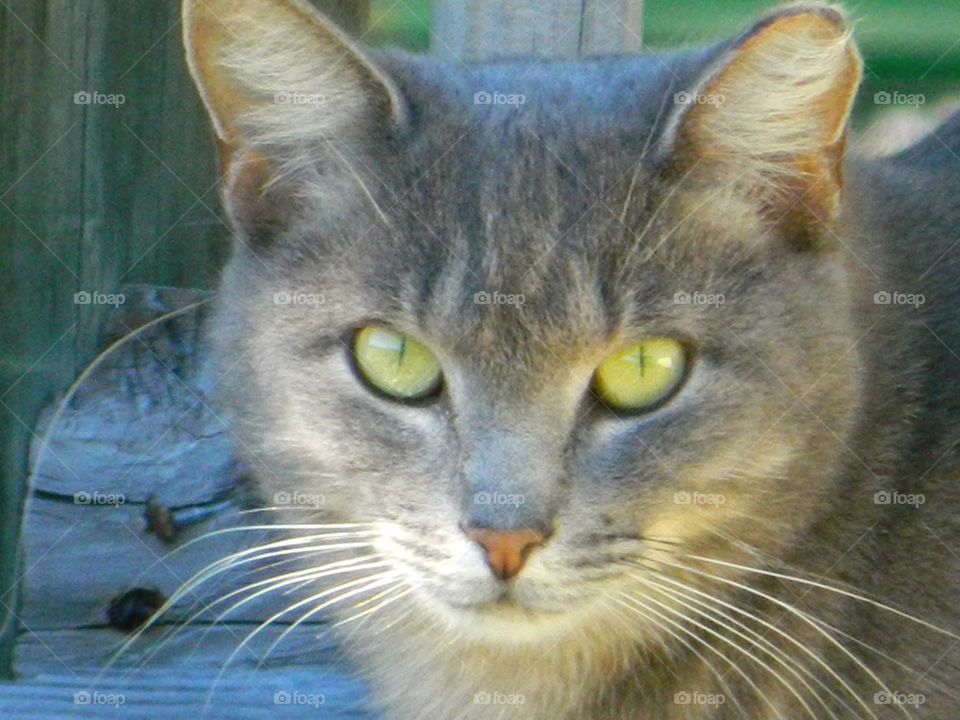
(909, 46)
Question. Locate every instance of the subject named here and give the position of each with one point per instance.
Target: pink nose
(506, 550)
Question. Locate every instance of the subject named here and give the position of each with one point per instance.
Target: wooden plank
(62, 677)
(81, 555)
(139, 431)
(143, 422)
(482, 30)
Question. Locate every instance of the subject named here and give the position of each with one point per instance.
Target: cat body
(774, 537)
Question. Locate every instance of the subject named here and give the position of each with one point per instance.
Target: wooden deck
(140, 433)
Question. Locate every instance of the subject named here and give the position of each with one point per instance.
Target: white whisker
(772, 628)
(808, 619)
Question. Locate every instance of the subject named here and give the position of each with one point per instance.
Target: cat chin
(510, 624)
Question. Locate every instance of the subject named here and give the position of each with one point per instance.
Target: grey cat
(628, 394)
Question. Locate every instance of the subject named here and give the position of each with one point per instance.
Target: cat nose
(506, 550)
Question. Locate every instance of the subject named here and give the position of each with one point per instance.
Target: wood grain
(482, 30)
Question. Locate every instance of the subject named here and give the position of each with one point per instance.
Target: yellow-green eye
(641, 375)
(396, 364)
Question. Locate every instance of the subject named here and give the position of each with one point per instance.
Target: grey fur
(805, 398)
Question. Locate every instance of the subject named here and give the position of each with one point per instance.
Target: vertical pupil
(639, 358)
(403, 349)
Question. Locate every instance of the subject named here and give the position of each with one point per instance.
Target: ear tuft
(771, 116)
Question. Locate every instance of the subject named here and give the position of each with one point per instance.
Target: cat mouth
(506, 603)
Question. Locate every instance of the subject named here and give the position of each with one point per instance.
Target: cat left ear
(769, 120)
(281, 82)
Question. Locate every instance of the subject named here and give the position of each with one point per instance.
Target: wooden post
(495, 29)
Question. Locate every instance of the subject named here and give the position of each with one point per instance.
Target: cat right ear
(284, 89)
(768, 121)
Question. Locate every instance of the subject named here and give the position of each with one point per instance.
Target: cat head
(550, 329)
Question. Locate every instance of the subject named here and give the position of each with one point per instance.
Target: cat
(632, 391)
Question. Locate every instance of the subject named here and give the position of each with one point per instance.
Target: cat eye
(395, 364)
(641, 376)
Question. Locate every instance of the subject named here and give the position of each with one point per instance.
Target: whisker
(756, 618)
(696, 653)
(293, 626)
(808, 619)
(794, 667)
(733, 664)
(271, 584)
(723, 638)
(365, 583)
(829, 588)
(198, 579)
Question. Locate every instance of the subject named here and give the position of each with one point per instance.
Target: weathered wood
(305, 676)
(142, 423)
(140, 430)
(481, 30)
(95, 189)
(140, 427)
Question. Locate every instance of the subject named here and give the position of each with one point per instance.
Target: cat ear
(769, 120)
(282, 85)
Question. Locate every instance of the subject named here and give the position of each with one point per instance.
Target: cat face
(521, 248)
